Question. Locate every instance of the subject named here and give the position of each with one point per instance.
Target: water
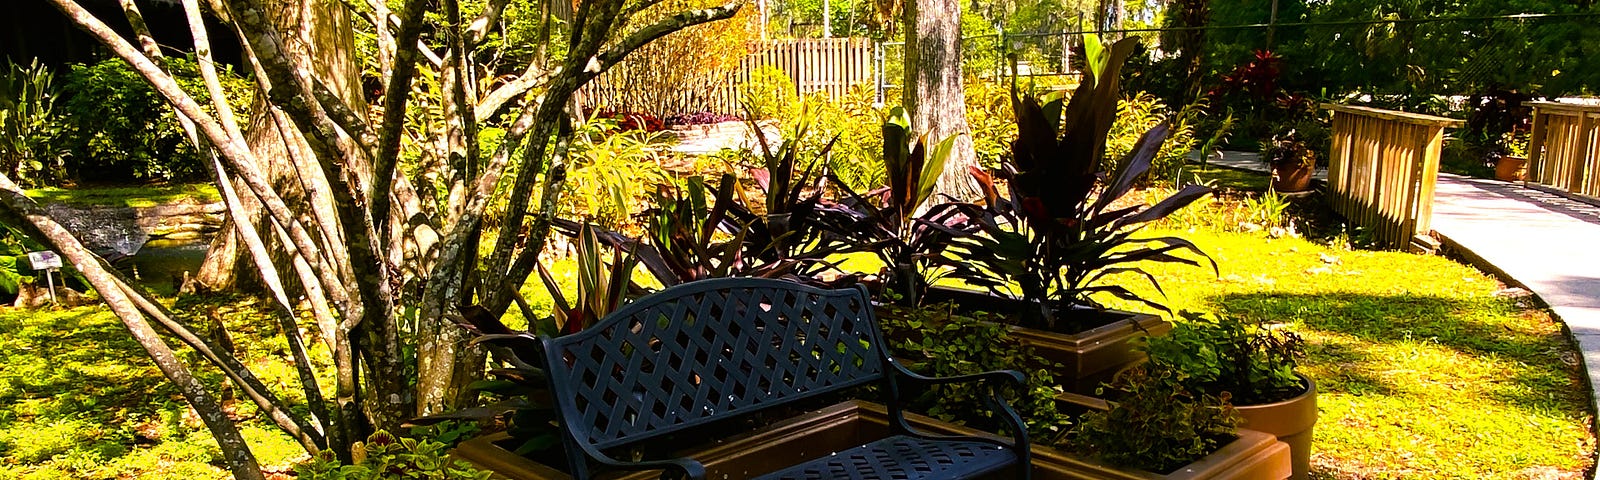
(160, 265)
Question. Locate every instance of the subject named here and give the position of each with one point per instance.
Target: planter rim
(1311, 390)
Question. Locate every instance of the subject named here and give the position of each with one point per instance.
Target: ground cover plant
(78, 399)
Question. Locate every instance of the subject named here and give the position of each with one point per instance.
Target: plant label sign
(44, 260)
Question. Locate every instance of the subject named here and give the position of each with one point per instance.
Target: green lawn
(1423, 371)
(80, 399)
(128, 196)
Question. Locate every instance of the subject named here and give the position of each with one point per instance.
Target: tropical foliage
(1060, 230)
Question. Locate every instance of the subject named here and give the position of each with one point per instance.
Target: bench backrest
(700, 351)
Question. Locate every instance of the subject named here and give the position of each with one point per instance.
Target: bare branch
(659, 29)
(208, 69)
(487, 18)
(395, 97)
(495, 100)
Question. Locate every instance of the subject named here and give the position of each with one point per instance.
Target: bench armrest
(1014, 377)
(996, 403)
(690, 468)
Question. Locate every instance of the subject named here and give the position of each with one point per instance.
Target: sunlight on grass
(80, 399)
(1423, 371)
(128, 196)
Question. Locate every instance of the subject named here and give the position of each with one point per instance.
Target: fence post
(1564, 149)
(1382, 172)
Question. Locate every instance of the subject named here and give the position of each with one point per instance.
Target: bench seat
(709, 351)
(902, 457)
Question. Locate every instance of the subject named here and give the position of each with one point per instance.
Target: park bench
(711, 350)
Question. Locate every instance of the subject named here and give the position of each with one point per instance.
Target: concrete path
(1542, 241)
(713, 138)
(1548, 243)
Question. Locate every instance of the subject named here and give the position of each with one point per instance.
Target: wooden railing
(1564, 149)
(1383, 167)
(831, 65)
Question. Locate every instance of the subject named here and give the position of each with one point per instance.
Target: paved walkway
(1545, 242)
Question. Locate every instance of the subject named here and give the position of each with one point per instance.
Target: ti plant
(1063, 226)
(785, 230)
(887, 221)
(603, 286)
(698, 231)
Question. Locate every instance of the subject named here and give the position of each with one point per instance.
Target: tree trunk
(933, 93)
(325, 30)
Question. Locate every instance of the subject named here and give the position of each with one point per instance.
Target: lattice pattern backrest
(677, 358)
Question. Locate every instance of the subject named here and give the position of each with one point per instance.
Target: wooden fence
(831, 65)
(1564, 149)
(1383, 169)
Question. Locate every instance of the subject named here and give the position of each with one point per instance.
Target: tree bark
(326, 37)
(933, 93)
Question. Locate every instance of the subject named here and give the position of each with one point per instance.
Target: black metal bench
(713, 349)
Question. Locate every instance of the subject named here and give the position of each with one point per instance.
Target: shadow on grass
(1536, 377)
(77, 363)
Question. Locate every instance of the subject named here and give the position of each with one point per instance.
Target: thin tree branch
(395, 96)
(495, 100)
(487, 18)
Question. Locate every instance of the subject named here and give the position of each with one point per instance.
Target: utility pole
(827, 18)
(1272, 23)
(761, 5)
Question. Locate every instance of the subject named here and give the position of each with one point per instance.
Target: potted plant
(1158, 427)
(1251, 365)
(1158, 432)
(1291, 153)
(1512, 166)
(1042, 250)
(1291, 160)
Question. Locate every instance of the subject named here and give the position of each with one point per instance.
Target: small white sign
(44, 260)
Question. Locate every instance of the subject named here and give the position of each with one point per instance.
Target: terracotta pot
(1087, 358)
(1293, 177)
(1511, 169)
(1253, 456)
(1292, 421)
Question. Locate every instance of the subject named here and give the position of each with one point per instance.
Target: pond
(159, 265)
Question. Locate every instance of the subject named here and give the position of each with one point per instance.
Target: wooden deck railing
(1564, 149)
(831, 65)
(1383, 167)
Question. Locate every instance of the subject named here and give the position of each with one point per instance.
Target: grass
(80, 399)
(1423, 370)
(128, 196)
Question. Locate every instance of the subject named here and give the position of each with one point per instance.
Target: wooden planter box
(1292, 422)
(1254, 456)
(1087, 358)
